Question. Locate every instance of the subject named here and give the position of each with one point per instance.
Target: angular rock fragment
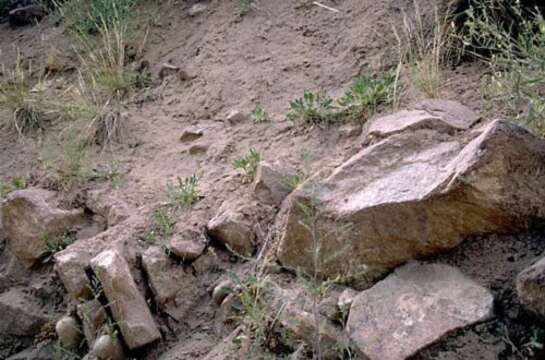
(176, 291)
(414, 307)
(93, 317)
(129, 308)
(273, 183)
(417, 192)
(20, 314)
(30, 217)
(530, 286)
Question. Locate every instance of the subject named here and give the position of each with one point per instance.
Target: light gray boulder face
(32, 216)
(417, 192)
(20, 314)
(272, 183)
(129, 308)
(413, 308)
(530, 286)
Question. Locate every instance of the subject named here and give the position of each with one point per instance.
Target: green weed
(162, 227)
(248, 163)
(366, 95)
(185, 193)
(59, 243)
(313, 107)
(259, 115)
(245, 6)
(111, 174)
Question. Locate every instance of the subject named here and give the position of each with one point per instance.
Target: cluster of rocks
(423, 181)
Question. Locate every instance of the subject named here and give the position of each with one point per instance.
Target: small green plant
(111, 174)
(313, 107)
(245, 6)
(185, 193)
(162, 227)
(248, 163)
(59, 243)
(510, 39)
(260, 115)
(365, 96)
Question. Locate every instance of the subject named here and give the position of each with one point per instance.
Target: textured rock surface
(531, 288)
(93, 317)
(129, 308)
(414, 307)
(71, 263)
(20, 314)
(175, 290)
(29, 217)
(417, 193)
(188, 241)
(272, 183)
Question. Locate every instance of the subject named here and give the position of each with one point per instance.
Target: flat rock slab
(129, 308)
(413, 308)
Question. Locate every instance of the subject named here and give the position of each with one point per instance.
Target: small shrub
(366, 95)
(511, 40)
(248, 163)
(260, 115)
(89, 15)
(111, 174)
(311, 108)
(22, 98)
(185, 193)
(162, 227)
(245, 6)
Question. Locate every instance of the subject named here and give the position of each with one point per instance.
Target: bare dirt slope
(267, 57)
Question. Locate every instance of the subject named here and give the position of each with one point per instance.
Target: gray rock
(272, 183)
(93, 317)
(191, 134)
(530, 286)
(188, 243)
(107, 347)
(20, 314)
(222, 290)
(68, 333)
(417, 192)
(235, 117)
(414, 307)
(129, 308)
(176, 291)
(32, 216)
(197, 9)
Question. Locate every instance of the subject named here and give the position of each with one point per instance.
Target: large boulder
(414, 307)
(530, 286)
(32, 216)
(128, 306)
(20, 314)
(419, 191)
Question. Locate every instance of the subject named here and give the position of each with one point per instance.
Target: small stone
(345, 300)
(68, 332)
(186, 249)
(168, 70)
(530, 286)
(229, 307)
(108, 348)
(197, 9)
(198, 149)
(235, 117)
(272, 183)
(191, 134)
(221, 291)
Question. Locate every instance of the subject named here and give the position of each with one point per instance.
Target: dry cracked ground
(215, 227)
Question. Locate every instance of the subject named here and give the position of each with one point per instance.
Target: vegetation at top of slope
(510, 38)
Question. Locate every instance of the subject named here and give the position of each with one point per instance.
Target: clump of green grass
(260, 115)
(88, 15)
(185, 193)
(510, 39)
(22, 98)
(162, 225)
(248, 163)
(366, 95)
(313, 107)
(17, 183)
